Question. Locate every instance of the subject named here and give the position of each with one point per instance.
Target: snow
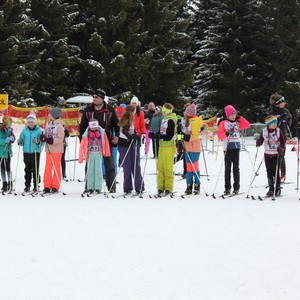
(69, 247)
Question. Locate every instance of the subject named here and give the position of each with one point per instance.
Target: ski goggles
(280, 100)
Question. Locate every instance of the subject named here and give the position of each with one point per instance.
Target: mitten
(187, 137)
(7, 140)
(281, 151)
(20, 142)
(151, 135)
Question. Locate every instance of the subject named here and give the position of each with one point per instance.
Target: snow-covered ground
(74, 248)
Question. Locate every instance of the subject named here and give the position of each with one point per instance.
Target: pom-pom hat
(229, 110)
(191, 111)
(270, 120)
(31, 117)
(134, 100)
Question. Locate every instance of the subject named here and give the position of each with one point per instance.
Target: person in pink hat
(229, 132)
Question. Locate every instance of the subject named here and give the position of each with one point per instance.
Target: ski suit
(167, 150)
(93, 146)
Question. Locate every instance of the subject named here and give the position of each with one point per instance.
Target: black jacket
(284, 118)
(106, 117)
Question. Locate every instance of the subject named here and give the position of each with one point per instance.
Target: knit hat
(100, 93)
(158, 108)
(270, 120)
(229, 110)
(191, 111)
(123, 105)
(134, 100)
(55, 112)
(31, 117)
(7, 120)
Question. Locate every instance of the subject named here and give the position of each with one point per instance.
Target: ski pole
(253, 170)
(194, 169)
(141, 188)
(55, 171)
(121, 165)
(204, 161)
(15, 180)
(256, 173)
(76, 136)
(276, 176)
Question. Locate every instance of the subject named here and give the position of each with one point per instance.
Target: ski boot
(167, 192)
(160, 193)
(189, 189)
(196, 189)
(4, 186)
(278, 191)
(226, 192)
(235, 192)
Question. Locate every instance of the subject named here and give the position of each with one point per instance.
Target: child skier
(191, 128)
(167, 150)
(274, 142)
(229, 132)
(127, 146)
(94, 145)
(7, 137)
(32, 146)
(54, 139)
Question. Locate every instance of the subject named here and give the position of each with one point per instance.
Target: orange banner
(70, 116)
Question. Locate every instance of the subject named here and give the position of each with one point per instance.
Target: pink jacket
(83, 150)
(56, 130)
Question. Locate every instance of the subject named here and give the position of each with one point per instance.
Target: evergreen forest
(210, 52)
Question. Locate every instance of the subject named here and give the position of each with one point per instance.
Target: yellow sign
(3, 101)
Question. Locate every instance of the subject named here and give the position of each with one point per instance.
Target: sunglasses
(280, 100)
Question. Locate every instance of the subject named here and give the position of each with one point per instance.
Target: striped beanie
(270, 120)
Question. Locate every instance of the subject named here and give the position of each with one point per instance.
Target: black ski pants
(232, 157)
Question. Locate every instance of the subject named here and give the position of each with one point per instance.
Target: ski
(90, 195)
(29, 193)
(269, 197)
(163, 195)
(139, 194)
(231, 195)
(185, 196)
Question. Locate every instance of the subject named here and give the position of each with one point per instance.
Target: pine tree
(54, 74)
(283, 21)
(18, 52)
(233, 52)
(169, 72)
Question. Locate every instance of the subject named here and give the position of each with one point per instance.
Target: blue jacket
(27, 135)
(5, 149)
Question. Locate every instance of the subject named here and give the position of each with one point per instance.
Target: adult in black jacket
(107, 118)
(284, 118)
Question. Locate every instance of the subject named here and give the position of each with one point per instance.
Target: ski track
(90, 248)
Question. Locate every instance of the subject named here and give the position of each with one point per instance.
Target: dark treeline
(210, 52)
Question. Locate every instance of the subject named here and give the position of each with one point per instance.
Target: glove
(12, 138)
(156, 135)
(230, 131)
(151, 135)
(281, 151)
(143, 138)
(135, 137)
(36, 141)
(187, 137)
(20, 142)
(45, 139)
(7, 140)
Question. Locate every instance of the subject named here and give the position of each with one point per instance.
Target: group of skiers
(102, 129)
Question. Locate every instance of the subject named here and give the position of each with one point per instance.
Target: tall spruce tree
(170, 72)
(284, 28)
(55, 74)
(233, 64)
(18, 48)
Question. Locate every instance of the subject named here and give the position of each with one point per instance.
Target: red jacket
(139, 123)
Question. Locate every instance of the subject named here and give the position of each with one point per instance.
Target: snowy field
(74, 248)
